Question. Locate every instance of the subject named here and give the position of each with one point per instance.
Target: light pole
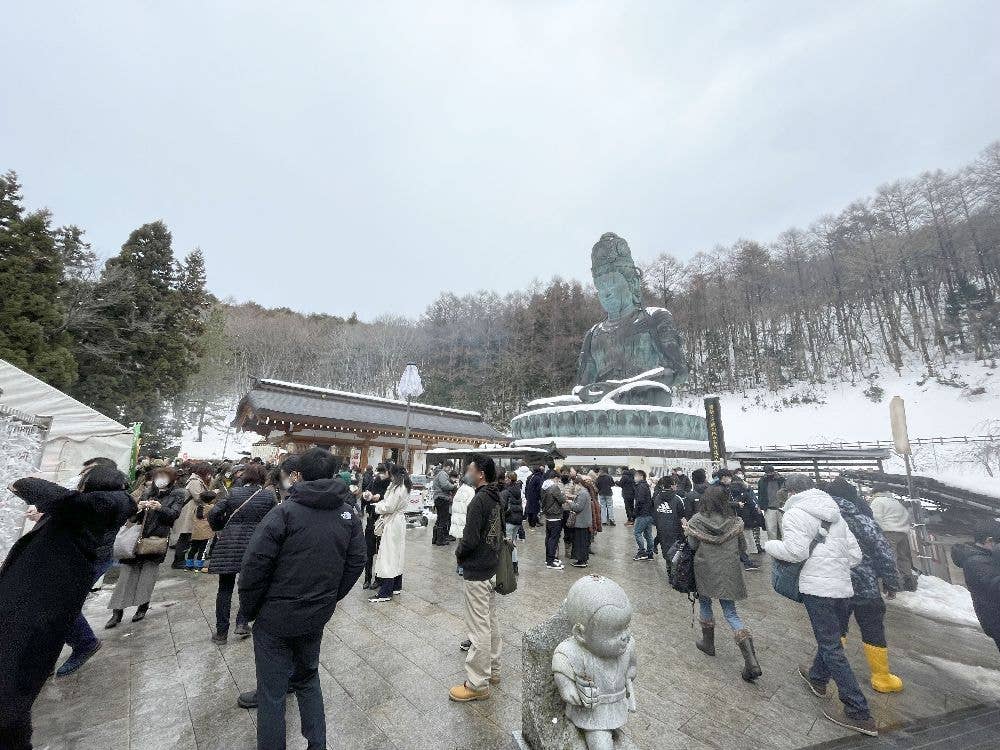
(409, 388)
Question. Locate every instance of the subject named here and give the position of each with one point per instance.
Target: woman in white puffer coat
(826, 576)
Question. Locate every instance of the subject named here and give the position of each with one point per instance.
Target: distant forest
(909, 274)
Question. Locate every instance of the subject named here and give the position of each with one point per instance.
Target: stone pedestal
(544, 725)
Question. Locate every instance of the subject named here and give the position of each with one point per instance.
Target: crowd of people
(292, 538)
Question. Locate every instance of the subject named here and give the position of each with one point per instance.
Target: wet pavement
(386, 668)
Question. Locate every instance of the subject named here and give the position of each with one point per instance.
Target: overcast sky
(342, 157)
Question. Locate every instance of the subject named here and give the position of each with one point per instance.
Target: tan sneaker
(463, 693)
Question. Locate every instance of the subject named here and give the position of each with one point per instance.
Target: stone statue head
(599, 613)
(618, 282)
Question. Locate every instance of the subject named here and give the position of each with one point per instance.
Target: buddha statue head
(618, 281)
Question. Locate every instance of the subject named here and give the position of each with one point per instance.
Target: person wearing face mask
(159, 507)
(370, 499)
(287, 475)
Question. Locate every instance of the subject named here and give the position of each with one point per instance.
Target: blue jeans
(80, 636)
(643, 530)
(276, 658)
(512, 529)
(830, 661)
(607, 508)
(728, 611)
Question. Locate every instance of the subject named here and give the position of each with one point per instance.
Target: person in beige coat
(391, 528)
(197, 483)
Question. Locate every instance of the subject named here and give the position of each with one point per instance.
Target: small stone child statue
(594, 668)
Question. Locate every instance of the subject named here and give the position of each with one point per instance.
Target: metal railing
(877, 443)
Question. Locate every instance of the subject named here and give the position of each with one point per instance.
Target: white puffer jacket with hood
(827, 572)
(459, 508)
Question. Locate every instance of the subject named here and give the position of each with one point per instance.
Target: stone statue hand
(567, 690)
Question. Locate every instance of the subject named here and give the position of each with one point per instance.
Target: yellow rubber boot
(883, 681)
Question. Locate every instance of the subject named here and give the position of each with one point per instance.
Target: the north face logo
(346, 515)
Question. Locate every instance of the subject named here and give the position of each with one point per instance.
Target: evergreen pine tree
(32, 331)
(154, 329)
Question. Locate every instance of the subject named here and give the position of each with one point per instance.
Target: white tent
(73, 431)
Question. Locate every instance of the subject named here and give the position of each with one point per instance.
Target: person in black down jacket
(380, 485)
(627, 483)
(668, 509)
(643, 518)
(533, 495)
(510, 501)
(981, 564)
(81, 638)
(234, 520)
(691, 499)
(43, 583)
(303, 558)
(478, 554)
(159, 507)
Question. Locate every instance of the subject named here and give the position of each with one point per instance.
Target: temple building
(360, 429)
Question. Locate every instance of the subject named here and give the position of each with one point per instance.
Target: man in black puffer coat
(981, 564)
(43, 583)
(303, 558)
(478, 554)
(627, 483)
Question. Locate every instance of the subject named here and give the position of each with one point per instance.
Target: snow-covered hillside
(962, 400)
(968, 396)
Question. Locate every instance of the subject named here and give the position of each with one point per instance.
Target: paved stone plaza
(386, 668)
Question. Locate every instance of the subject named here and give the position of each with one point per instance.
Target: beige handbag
(150, 546)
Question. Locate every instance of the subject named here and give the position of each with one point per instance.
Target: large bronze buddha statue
(628, 366)
(634, 355)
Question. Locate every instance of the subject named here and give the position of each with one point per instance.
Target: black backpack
(682, 571)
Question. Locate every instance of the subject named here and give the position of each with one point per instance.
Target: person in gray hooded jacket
(715, 533)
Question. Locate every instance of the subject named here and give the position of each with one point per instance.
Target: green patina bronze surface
(615, 365)
(632, 339)
(611, 422)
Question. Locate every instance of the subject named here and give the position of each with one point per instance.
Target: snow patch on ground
(986, 681)
(939, 600)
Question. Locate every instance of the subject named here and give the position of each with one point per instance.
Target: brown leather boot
(707, 642)
(751, 667)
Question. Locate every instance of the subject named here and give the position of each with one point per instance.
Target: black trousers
(868, 613)
(277, 657)
(371, 549)
(224, 604)
(553, 530)
(629, 508)
(581, 545)
(197, 549)
(567, 530)
(180, 550)
(442, 507)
